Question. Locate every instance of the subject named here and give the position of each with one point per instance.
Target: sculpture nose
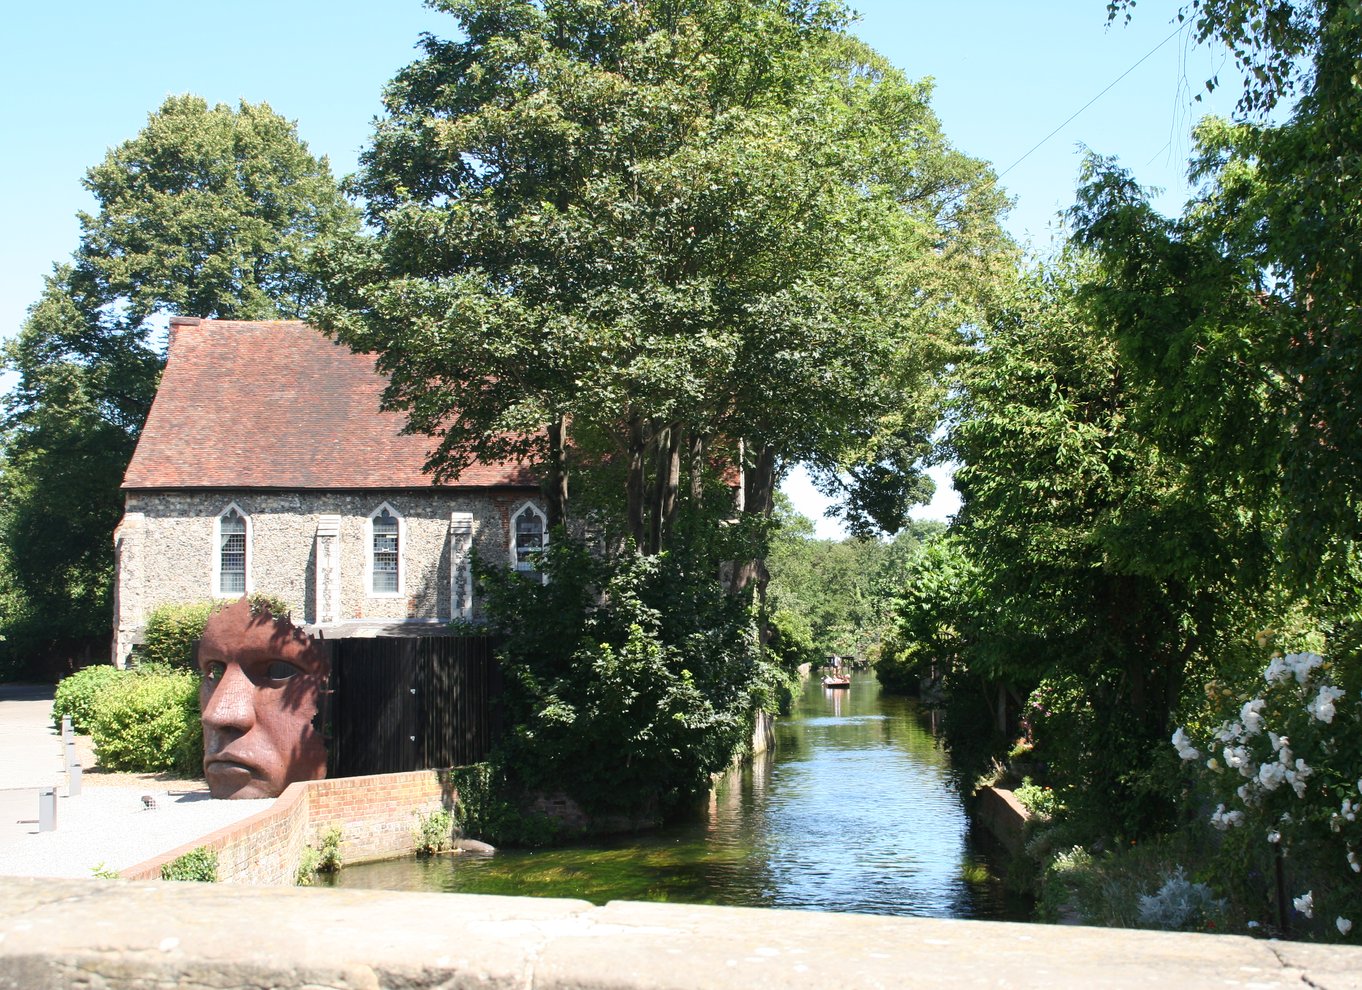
(231, 703)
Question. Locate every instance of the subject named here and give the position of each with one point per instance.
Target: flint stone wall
(165, 549)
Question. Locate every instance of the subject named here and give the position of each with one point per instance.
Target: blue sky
(80, 77)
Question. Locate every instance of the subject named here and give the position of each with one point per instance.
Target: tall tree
(669, 239)
(1244, 310)
(208, 211)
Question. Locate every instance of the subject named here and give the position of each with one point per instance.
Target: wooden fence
(411, 703)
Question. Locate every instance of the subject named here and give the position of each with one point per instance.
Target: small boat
(837, 681)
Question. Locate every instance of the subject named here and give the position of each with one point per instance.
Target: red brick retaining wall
(376, 816)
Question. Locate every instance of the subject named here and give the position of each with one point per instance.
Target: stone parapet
(114, 935)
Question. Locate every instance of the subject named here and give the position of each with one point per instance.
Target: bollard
(70, 754)
(66, 732)
(73, 781)
(47, 809)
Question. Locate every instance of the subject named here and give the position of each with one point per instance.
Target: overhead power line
(1070, 119)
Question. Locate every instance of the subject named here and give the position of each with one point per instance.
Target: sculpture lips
(230, 772)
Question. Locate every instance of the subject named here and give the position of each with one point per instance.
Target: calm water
(855, 810)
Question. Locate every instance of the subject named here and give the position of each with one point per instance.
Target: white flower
(1274, 836)
(1223, 819)
(1301, 664)
(1251, 716)
(1352, 861)
(1184, 745)
(1239, 758)
(1213, 764)
(1344, 925)
(1322, 707)
(1305, 904)
(1271, 776)
(1349, 810)
(1277, 670)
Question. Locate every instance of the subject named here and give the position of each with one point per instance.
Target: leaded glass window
(231, 553)
(385, 553)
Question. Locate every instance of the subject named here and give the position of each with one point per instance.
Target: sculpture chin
(229, 779)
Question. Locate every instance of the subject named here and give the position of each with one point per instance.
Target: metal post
(73, 781)
(66, 731)
(47, 809)
(70, 754)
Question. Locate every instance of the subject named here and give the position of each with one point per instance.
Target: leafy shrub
(434, 833)
(76, 695)
(148, 721)
(199, 864)
(629, 682)
(328, 853)
(307, 867)
(1039, 801)
(172, 630)
(1179, 904)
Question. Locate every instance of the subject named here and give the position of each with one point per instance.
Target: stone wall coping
(119, 934)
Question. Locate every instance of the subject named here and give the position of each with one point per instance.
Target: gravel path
(107, 825)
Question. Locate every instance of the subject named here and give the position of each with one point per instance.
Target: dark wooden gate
(411, 703)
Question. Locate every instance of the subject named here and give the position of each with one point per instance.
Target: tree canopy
(676, 237)
(208, 211)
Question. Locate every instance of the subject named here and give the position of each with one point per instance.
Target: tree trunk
(637, 483)
(556, 484)
(758, 498)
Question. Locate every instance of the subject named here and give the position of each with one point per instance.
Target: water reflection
(856, 810)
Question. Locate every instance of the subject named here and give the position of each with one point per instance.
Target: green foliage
(485, 809)
(629, 682)
(329, 859)
(172, 629)
(659, 229)
(207, 212)
(76, 695)
(325, 857)
(148, 721)
(434, 832)
(1038, 800)
(102, 872)
(842, 591)
(199, 864)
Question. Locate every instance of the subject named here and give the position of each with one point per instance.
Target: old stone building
(267, 466)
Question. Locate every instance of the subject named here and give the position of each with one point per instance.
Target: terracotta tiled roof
(278, 405)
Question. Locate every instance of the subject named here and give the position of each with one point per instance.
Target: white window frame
(511, 541)
(217, 552)
(401, 553)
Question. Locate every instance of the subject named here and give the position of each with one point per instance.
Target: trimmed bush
(171, 632)
(172, 629)
(199, 865)
(77, 693)
(148, 721)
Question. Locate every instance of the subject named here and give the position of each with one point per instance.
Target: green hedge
(76, 695)
(147, 721)
(171, 630)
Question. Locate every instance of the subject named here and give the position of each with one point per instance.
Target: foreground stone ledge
(116, 934)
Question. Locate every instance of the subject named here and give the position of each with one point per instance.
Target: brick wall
(376, 816)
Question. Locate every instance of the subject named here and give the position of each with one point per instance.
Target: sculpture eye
(213, 670)
(281, 670)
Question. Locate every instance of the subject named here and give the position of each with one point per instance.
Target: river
(855, 810)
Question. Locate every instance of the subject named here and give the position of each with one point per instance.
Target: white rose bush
(1284, 765)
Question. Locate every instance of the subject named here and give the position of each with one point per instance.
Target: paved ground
(108, 824)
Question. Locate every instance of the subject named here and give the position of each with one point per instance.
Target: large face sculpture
(262, 680)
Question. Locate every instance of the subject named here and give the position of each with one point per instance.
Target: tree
(1244, 309)
(208, 211)
(1086, 565)
(678, 243)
